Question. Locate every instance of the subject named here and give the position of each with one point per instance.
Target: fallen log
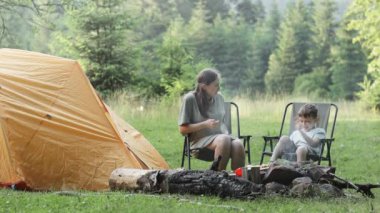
(133, 180)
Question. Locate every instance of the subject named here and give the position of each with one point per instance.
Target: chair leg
(188, 161)
(249, 151)
(183, 154)
(271, 146)
(188, 153)
(186, 149)
(328, 153)
(262, 154)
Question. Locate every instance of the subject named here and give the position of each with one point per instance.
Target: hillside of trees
(322, 49)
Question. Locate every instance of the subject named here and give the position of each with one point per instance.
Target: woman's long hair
(206, 76)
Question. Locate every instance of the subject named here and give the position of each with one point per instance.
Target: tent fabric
(56, 133)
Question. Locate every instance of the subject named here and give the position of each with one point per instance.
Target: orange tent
(56, 133)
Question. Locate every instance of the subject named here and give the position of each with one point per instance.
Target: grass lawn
(355, 153)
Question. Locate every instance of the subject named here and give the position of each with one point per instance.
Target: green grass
(355, 153)
(12, 201)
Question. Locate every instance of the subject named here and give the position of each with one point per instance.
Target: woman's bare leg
(222, 147)
(237, 154)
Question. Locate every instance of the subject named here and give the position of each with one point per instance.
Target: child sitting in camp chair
(305, 140)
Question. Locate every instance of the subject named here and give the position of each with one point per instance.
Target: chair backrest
(229, 108)
(323, 113)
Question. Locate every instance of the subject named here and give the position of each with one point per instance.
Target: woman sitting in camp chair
(305, 140)
(201, 116)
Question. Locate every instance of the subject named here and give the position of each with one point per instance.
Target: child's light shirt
(298, 139)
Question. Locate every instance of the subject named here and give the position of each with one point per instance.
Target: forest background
(154, 48)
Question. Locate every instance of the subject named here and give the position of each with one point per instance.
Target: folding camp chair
(229, 108)
(324, 118)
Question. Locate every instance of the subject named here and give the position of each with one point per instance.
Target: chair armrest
(245, 136)
(327, 140)
(268, 138)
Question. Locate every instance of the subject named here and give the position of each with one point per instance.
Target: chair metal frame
(325, 142)
(246, 139)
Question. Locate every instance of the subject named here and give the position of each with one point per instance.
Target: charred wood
(212, 183)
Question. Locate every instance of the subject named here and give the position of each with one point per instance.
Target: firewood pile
(279, 178)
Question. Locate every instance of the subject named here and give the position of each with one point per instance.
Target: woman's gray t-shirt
(190, 114)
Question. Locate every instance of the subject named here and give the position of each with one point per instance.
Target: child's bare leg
(280, 147)
(237, 154)
(222, 147)
(301, 154)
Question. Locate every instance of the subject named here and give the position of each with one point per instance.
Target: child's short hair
(307, 111)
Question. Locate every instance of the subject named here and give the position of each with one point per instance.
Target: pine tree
(234, 63)
(151, 22)
(216, 8)
(152, 18)
(227, 46)
(317, 82)
(198, 27)
(172, 55)
(349, 65)
(264, 42)
(290, 58)
(179, 65)
(224, 43)
(185, 8)
(323, 34)
(99, 29)
(247, 12)
(260, 10)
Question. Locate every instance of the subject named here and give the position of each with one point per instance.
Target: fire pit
(282, 177)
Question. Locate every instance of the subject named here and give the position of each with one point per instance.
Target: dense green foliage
(100, 31)
(290, 59)
(349, 65)
(366, 21)
(317, 82)
(154, 48)
(179, 65)
(263, 44)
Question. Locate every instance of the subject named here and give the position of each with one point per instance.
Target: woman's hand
(189, 128)
(211, 123)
